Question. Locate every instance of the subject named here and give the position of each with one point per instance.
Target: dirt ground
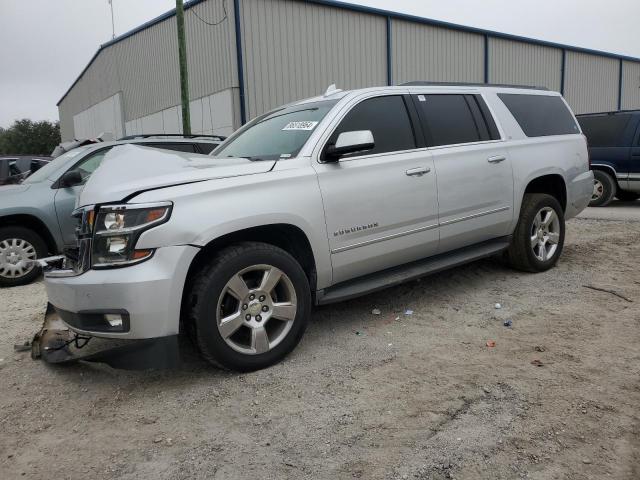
(389, 396)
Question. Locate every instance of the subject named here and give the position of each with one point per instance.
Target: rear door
(381, 206)
(473, 169)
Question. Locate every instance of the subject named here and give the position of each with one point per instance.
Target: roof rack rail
(612, 112)
(172, 135)
(463, 84)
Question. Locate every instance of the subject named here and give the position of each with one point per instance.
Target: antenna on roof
(331, 90)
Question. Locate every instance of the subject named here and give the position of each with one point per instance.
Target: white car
(316, 202)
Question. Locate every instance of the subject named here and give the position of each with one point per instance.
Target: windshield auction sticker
(300, 126)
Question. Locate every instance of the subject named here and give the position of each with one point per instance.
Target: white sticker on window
(422, 98)
(300, 126)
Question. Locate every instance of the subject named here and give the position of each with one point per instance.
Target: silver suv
(35, 216)
(315, 202)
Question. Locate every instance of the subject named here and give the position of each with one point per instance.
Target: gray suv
(318, 201)
(35, 215)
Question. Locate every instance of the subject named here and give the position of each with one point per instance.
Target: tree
(26, 137)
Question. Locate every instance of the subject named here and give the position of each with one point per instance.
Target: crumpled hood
(129, 169)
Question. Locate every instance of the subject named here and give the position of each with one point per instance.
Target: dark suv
(614, 148)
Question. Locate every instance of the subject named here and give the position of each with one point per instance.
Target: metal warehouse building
(248, 56)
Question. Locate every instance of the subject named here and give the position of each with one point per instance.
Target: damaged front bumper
(126, 317)
(57, 343)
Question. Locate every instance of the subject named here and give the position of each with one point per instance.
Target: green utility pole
(184, 76)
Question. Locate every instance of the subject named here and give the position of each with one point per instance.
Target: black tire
(521, 255)
(208, 287)
(626, 196)
(608, 189)
(21, 233)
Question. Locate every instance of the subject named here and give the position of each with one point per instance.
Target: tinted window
(449, 119)
(388, 120)
(604, 130)
(207, 148)
(540, 115)
(178, 147)
(89, 165)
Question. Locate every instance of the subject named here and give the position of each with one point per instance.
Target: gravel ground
(389, 396)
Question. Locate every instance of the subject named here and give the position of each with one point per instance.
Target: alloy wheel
(256, 309)
(545, 234)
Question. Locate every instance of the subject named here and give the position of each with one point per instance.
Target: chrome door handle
(418, 171)
(496, 159)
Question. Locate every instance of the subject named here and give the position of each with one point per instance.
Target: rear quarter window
(540, 115)
(605, 130)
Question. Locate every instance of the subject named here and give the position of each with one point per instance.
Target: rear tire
(19, 245)
(249, 306)
(604, 189)
(538, 239)
(626, 196)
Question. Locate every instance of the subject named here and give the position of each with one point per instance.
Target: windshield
(278, 134)
(50, 168)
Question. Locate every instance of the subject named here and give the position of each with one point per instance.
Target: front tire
(249, 306)
(18, 247)
(604, 189)
(538, 239)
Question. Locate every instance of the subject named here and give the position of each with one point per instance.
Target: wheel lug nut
(252, 296)
(265, 308)
(245, 306)
(247, 317)
(258, 318)
(262, 297)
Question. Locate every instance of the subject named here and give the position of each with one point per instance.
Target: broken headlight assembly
(117, 229)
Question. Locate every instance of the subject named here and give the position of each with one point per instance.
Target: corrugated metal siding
(518, 63)
(144, 66)
(424, 52)
(591, 83)
(294, 50)
(630, 85)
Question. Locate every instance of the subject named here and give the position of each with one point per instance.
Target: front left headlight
(117, 229)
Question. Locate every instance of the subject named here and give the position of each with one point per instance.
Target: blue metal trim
(620, 86)
(375, 11)
(389, 53)
(562, 69)
(240, 63)
(486, 58)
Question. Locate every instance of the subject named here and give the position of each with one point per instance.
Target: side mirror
(71, 178)
(349, 142)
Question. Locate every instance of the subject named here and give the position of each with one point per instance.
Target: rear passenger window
(540, 115)
(453, 119)
(388, 120)
(604, 130)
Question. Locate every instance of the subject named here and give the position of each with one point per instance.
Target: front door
(380, 205)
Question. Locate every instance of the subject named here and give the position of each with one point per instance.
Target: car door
(380, 205)
(65, 197)
(634, 163)
(473, 169)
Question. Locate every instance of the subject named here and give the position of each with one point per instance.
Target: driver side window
(387, 118)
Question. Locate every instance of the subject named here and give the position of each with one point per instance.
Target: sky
(45, 44)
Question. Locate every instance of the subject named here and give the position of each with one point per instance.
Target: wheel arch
(607, 169)
(33, 223)
(552, 184)
(288, 237)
